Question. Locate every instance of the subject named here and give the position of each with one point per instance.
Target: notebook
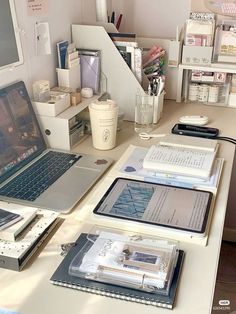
(182, 156)
(61, 277)
(31, 174)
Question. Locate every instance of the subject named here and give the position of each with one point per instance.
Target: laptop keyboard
(39, 176)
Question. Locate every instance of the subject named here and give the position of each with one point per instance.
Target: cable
(227, 139)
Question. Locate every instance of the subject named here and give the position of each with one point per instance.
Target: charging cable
(226, 138)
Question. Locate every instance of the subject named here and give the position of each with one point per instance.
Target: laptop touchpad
(92, 163)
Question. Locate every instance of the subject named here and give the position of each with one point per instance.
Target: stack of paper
(132, 166)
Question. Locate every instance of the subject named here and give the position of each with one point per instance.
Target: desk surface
(30, 292)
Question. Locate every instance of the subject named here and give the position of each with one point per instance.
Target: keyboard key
(39, 176)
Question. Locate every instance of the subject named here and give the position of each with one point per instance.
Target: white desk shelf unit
(62, 131)
(184, 69)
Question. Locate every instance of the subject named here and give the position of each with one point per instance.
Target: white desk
(30, 292)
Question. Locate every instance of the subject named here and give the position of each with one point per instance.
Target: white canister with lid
(203, 92)
(193, 92)
(213, 96)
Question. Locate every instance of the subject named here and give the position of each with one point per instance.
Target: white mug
(103, 117)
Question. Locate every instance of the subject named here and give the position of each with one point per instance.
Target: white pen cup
(144, 110)
(103, 118)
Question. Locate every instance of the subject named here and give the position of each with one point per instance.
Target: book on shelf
(122, 36)
(182, 156)
(27, 214)
(61, 53)
(15, 254)
(138, 66)
(127, 54)
(8, 218)
(66, 275)
(132, 54)
(126, 43)
(72, 57)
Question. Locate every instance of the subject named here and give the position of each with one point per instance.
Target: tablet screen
(162, 205)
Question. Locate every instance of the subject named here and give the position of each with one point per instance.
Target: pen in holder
(156, 89)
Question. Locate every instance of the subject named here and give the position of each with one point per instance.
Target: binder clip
(65, 247)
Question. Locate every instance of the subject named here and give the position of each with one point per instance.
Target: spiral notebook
(61, 277)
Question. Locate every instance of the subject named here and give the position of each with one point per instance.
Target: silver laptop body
(22, 144)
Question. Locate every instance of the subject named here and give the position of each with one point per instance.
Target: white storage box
(232, 100)
(52, 108)
(197, 55)
(158, 107)
(174, 53)
(69, 77)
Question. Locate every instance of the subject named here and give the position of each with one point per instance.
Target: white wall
(152, 18)
(60, 16)
(198, 6)
(146, 18)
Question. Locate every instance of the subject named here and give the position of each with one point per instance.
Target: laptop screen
(20, 137)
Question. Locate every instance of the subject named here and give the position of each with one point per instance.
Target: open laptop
(30, 173)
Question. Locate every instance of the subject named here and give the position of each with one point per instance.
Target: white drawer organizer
(122, 85)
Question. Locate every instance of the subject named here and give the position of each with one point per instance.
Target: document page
(183, 157)
(169, 206)
(179, 160)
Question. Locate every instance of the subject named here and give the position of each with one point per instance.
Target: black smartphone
(194, 130)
